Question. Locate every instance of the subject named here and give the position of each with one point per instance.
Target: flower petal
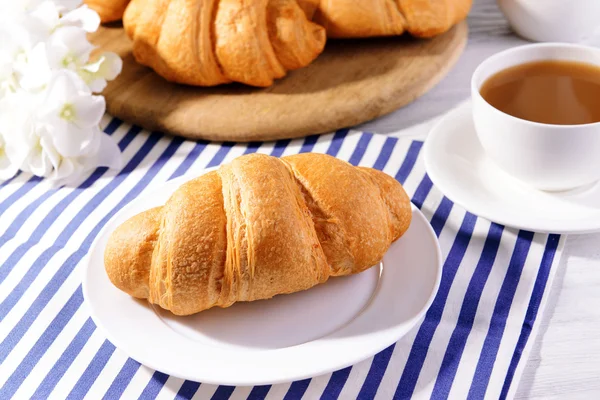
(89, 110)
(82, 17)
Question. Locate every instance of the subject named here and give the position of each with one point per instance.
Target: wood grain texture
(353, 81)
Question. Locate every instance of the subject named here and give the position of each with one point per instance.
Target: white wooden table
(565, 360)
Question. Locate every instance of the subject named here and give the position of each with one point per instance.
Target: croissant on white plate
(210, 42)
(255, 228)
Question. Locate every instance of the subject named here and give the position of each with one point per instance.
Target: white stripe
(348, 146)
(241, 393)
(13, 186)
(49, 270)
(277, 392)
(516, 316)
(355, 380)
(73, 242)
(105, 121)
(441, 336)
(205, 392)
(372, 151)
(108, 374)
(316, 386)
(170, 388)
(402, 349)
(323, 143)
(294, 147)
(138, 383)
(537, 323)
(485, 310)
(38, 214)
(397, 157)
(72, 375)
(47, 362)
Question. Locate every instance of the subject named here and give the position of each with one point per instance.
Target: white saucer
(286, 338)
(458, 166)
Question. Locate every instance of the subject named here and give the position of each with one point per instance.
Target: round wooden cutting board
(353, 81)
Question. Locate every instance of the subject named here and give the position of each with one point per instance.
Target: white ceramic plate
(286, 338)
(458, 166)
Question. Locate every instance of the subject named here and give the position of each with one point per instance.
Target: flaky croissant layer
(210, 42)
(255, 228)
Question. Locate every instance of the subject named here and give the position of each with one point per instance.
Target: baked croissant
(209, 42)
(367, 18)
(255, 228)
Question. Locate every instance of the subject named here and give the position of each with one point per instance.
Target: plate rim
(432, 168)
(236, 381)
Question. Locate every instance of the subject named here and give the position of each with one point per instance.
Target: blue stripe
(92, 371)
(468, 311)
(189, 159)
(117, 387)
(53, 215)
(409, 161)
(182, 169)
(539, 288)
(65, 270)
(381, 360)
(361, 148)
(34, 180)
(56, 211)
(420, 346)
(376, 372)
(65, 235)
(253, 147)
(42, 344)
(336, 142)
(336, 384)
(60, 367)
(187, 390)
(280, 147)
(339, 378)
(386, 152)
(221, 154)
(113, 125)
(20, 192)
(422, 191)
(152, 389)
(491, 344)
(309, 143)
(259, 392)
(223, 392)
(297, 390)
(438, 221)
(9, 180)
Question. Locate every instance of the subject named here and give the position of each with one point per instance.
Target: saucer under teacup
(458, 166)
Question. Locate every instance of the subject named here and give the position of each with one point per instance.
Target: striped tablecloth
(472, 343)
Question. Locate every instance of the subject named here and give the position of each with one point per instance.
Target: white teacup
(552, 20)
(547, 157)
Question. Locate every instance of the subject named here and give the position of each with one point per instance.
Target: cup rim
(505, 53)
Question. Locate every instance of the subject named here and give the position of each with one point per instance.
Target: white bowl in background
(545, 156)
(552, 20)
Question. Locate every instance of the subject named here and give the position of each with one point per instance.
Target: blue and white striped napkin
(472, 342)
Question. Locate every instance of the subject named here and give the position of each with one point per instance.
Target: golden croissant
(210, 42)
(255, 228)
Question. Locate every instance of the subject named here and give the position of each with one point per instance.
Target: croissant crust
(255, 228)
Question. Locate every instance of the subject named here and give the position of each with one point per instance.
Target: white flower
(7, 168)
(49, 116)
(82, 17)
(68, 48)
(71, 109)
(106, 68)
